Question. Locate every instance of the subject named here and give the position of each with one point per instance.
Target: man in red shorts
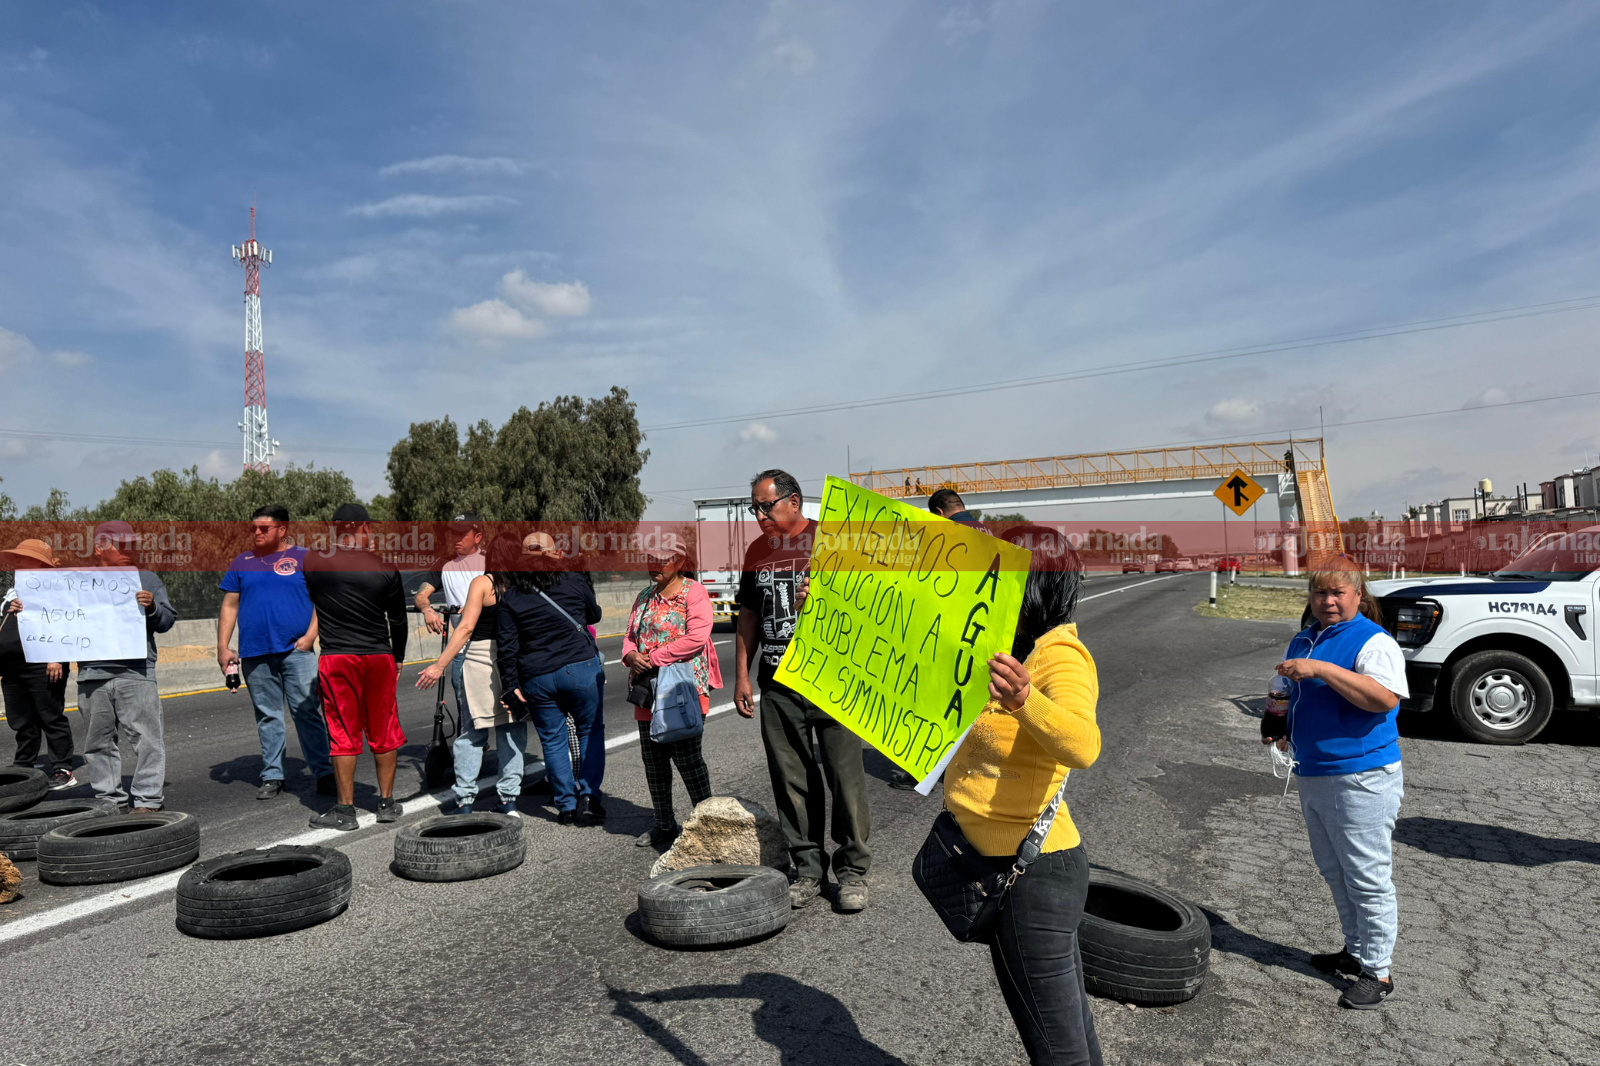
(361, 619)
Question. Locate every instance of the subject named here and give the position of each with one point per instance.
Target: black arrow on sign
(1239, 486)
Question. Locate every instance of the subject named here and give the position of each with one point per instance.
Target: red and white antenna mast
(258, 443)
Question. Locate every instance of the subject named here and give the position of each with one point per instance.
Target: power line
(1295, 429)
(1505, 314)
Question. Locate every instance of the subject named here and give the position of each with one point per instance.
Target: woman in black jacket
(551, 667)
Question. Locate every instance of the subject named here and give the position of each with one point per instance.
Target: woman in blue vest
(1349, 678)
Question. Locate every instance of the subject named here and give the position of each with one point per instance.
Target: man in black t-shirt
(361, 620)
(771, 592)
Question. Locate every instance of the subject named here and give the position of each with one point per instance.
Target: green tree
(8, 506)
(55, 508)
(570, 459)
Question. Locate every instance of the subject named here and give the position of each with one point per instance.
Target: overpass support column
(1286, 522)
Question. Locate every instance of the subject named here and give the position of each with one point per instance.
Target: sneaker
(1368, 993)
(590, 810)
(803, 891)
(508, 806)
(340, 816)
(1340, 961)
(327, 786)
(145, 810)
(655, 838)
(566, 817)
(269, 789)
(462, 807)
(902, 781)
(62, 779)
(389, 810)
(852, 897)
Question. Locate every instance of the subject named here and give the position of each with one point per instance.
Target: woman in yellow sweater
(1038, 724)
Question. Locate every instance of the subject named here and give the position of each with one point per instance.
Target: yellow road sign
(1239, 492)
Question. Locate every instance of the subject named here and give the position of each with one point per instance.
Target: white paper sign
(79, 615)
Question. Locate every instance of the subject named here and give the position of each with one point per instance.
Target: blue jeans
(287, 679)
(1350, 818)
(468, 751)
(575, 691)
(456, 667)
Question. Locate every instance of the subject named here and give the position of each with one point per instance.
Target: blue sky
(732, 208)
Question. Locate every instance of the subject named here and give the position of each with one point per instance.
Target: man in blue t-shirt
(265, 593)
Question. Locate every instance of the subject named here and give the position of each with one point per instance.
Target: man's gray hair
(783, 483)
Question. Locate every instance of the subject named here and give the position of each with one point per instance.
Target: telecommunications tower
(258, 443)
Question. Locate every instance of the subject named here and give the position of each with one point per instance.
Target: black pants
(788, 721)
(658, 761)
(35, 710)
(1036, 960)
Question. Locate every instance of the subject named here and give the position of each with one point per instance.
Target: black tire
(20, 830)
(459, 847)
(714, 906)
(21, 787)
(101, 850)
(1500, 697)
(1140, 943)
(263, 892)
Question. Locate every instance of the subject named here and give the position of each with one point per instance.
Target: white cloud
(796, 55)
(568, 299)
(1236, 410)
(497, 320)
(414, 205)
(14, 348)
(1487, 397)
(757, 433)
(961, 20)
(71, 360)
(454, 164)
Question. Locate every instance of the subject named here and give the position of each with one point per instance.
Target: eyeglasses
(763, 508)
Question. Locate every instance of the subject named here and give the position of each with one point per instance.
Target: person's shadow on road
(809, 1027)
(1451, 839)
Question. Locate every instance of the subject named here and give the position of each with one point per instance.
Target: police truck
(1503, 652)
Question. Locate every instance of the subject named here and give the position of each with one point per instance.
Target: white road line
(132, 893)
(1125, 588)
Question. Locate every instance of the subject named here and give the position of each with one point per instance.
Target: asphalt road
(1494, 862)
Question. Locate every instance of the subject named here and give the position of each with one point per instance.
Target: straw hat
(37, 550)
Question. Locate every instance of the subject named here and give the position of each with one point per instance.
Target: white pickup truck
(1505, 651)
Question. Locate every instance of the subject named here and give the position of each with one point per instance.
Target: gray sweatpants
(124, 705)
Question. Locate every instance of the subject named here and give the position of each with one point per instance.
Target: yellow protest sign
(903, 612)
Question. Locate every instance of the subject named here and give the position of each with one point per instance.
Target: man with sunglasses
(264, 593)
(771, 591)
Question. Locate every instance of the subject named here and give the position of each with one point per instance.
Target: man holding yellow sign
(903, 613)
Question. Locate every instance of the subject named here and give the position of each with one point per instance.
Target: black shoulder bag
(963, 886)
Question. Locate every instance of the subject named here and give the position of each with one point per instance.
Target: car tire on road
(263, 892)
(101, 850)
(21, 787)
(1500, 697)
(1140, 943)
(714, 906)
(459, 847)
(20, 830)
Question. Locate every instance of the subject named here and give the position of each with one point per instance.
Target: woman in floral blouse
(671, 623)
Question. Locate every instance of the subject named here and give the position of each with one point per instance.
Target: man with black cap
(361, 619)
(455, 577)
(121, 694)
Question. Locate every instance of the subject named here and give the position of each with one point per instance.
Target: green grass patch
(1255, 602)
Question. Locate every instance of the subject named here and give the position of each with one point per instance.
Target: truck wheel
(1500, 697)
